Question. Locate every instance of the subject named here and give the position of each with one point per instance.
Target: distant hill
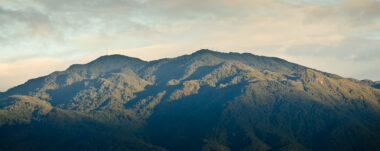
(203, 101)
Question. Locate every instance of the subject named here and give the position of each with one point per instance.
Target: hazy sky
(38, 37)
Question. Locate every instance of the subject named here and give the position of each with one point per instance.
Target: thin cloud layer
(345, 33)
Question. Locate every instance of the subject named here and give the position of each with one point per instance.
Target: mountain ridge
(202, 51)
(120, 56)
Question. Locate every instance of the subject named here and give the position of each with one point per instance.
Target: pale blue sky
(38, 37)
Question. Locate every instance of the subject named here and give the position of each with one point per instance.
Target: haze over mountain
(203, 101)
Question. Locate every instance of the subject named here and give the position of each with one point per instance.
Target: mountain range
(206, 100)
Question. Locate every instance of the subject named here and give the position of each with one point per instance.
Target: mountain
(203, 101)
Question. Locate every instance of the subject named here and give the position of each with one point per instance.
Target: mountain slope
(203, 101)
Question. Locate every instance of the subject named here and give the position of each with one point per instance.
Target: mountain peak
(108, 63)
(205, 51)
(115, 57)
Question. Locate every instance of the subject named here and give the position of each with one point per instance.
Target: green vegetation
(203, 101)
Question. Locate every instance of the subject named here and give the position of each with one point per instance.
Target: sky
(38, 37)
